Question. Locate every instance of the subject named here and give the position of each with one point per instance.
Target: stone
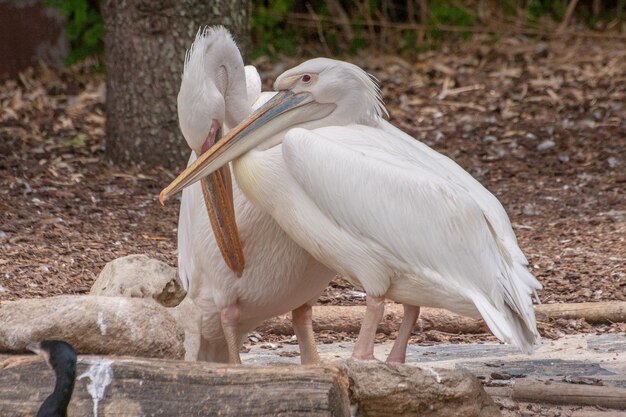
(189, 318)
(93, 325)
(379, 389)
(141, 277)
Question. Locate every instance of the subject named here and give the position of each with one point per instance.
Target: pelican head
(319, 92)
(353, 91)
(213, 69)
(213, 93)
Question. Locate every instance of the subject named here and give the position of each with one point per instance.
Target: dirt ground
(541, 124)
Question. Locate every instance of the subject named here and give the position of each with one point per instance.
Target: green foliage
(85, 27)
(452, 13)
(333, 42)
(508, 7)
(272, 35)
(275, 35)
(606, 15)
(553, 8)
(409, 41)
(77, 141)
(356, 45)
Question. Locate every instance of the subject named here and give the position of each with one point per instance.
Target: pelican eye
(306, 78)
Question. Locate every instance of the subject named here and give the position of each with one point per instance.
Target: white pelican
(376, 206)
(279, 275)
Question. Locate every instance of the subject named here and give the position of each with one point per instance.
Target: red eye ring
(306, 78)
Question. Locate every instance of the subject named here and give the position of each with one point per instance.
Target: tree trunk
(145, 44)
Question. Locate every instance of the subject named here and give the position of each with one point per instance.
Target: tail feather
(525, 277)
(507, 325)
(523, 285)
(513, 320)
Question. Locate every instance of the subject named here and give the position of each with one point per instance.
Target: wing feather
(487, 201)
(403, 202)
(416, 214)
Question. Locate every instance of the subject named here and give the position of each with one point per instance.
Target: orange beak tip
(162, 197)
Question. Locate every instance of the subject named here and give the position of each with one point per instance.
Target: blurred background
(68, 31)
(527, 96)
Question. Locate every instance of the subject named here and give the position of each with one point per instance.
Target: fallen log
(570, 394)
(593, 313)
(348, 318)
(124, 386)
(118, 386)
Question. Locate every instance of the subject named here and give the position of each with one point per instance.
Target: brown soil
(541, 125)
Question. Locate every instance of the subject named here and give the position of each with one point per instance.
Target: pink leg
(230, 323)
(364, 346)
(398, 351)
(301, 319)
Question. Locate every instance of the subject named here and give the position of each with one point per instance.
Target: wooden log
(570, 394)
(123, 386)
(348, 318)
(600, 312)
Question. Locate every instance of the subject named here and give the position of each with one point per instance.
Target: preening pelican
(279, 275)
(375, 205)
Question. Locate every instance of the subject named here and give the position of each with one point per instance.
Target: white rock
(189, 317)
(141, 277)
(93, 325)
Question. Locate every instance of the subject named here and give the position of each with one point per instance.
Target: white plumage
(357, 203)
(279, 275)
(373, 204)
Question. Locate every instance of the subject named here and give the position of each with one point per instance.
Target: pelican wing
(404, 147)
(452, 171)
(430, 226)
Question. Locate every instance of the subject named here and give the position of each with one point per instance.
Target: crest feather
(205, 38)
(374, 95)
